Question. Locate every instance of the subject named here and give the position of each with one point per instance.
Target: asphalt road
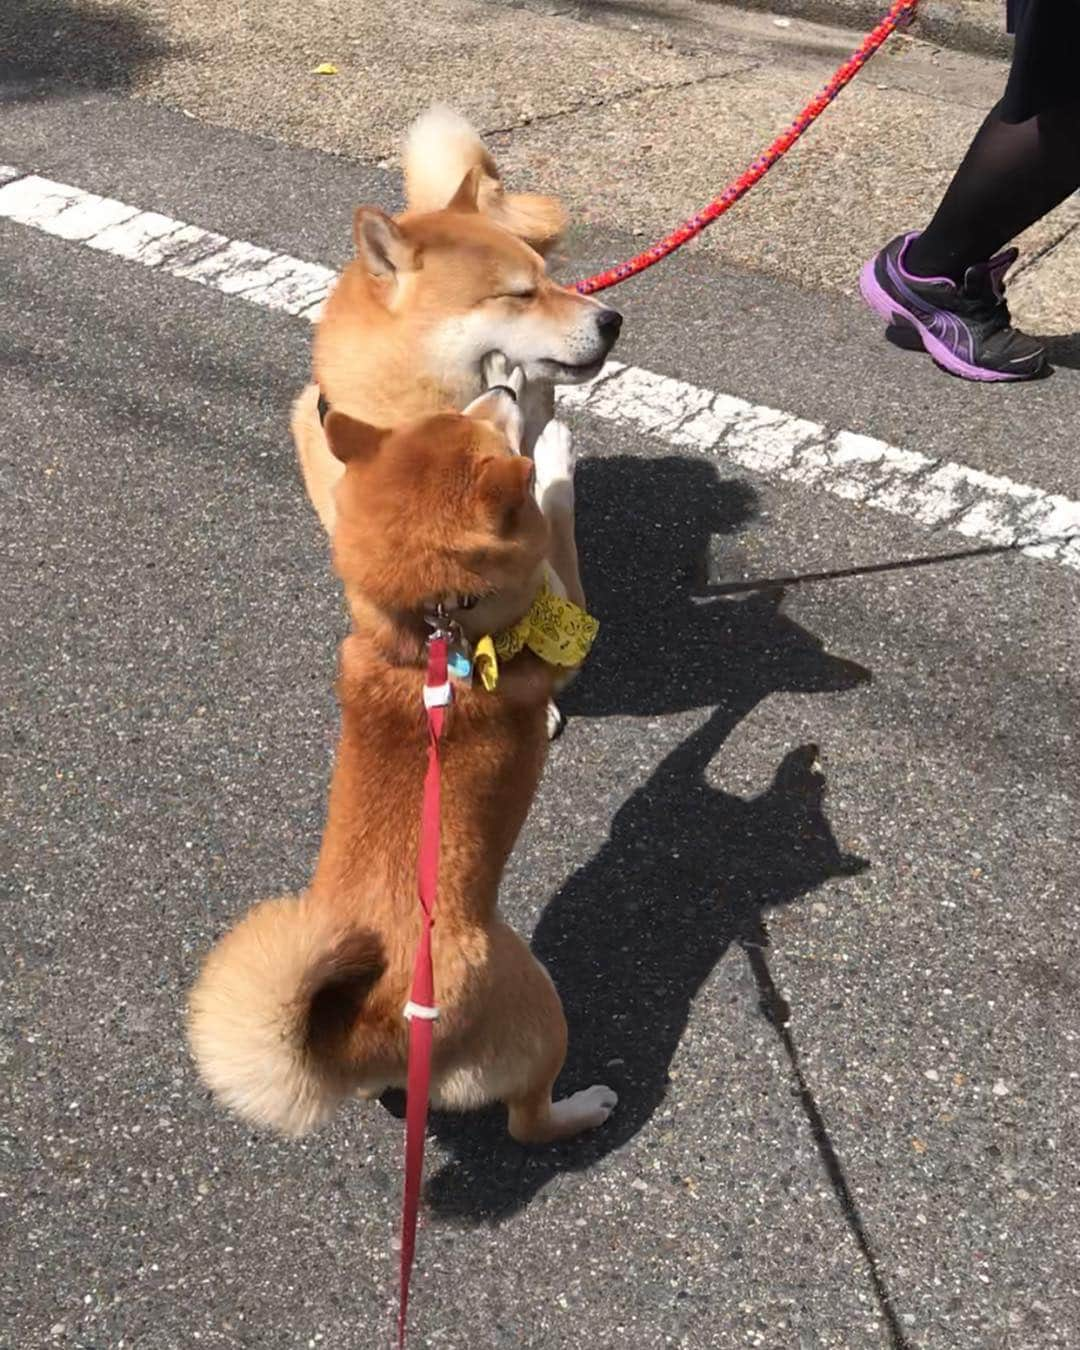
(803, 870)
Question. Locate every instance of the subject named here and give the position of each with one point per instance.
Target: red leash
(901, 12)
(421, 1009)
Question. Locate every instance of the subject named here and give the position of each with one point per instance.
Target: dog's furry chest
(492, 755)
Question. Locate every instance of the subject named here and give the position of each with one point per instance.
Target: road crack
(624, 96)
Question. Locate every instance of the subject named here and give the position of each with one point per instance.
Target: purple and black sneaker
(966, 328)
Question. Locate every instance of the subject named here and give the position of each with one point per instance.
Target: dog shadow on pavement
(687, 869)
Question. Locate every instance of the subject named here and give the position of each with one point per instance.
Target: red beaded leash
(901, 13)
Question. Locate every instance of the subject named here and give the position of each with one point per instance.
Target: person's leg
(944, 289)
(1012, 176)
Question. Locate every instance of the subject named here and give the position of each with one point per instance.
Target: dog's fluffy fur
(431, 294)
(301, 1004)
(442, 149)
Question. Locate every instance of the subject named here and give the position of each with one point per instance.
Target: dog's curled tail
(269, 1010)
(442, 147)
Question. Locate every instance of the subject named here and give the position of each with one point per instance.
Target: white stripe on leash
(934, 492)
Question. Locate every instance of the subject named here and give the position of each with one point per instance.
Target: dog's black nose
(609, 321)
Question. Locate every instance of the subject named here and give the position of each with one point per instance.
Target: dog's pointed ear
(380, 244)
(504, 484)
(467, 197)
(500, 407)
(539, 221)
(352, 441)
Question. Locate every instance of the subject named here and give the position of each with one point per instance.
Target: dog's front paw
(496, 370)
(553, 457)
(556, 722)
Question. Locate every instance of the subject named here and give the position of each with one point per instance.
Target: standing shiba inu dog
(301, 1004)
(431, 295)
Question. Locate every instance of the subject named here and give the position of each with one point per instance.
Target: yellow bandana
(557, 630)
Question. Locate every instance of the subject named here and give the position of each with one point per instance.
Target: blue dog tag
(459, 665)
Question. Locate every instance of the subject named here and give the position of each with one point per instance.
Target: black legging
(1013, 175)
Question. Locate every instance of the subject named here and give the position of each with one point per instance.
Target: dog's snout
(609, 322)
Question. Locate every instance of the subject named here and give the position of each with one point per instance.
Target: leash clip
(442, 630)
(440, 623)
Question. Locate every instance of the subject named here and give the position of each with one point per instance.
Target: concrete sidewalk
(964, 25)
(636, 112)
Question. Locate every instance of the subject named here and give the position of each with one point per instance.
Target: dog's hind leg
(516, 1049)
(533, 1117)
(521, 1049)
(536, 1119)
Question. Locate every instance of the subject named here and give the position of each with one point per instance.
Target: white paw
(587, 1109)
(555, 720)
(496, 369)
(553, 456)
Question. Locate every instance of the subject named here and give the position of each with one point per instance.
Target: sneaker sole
(882, 303)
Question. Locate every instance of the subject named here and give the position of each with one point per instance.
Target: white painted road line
(273, 280)
(773, 444)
